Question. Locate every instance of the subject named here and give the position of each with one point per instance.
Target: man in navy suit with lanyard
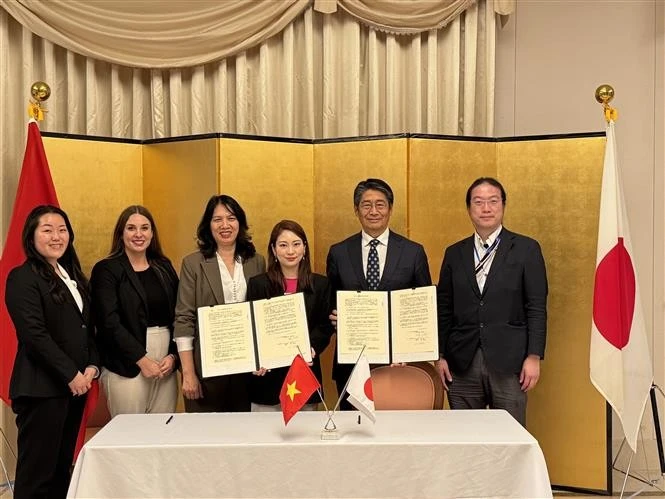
(492, 306)
(375, 258)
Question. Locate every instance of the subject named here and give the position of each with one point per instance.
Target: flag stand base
(329, 434)
(648, 481)
(329, 431)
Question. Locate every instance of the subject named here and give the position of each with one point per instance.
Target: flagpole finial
(604, 95)
(40, 92)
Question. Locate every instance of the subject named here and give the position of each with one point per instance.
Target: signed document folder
(243, 337)
(392, 326)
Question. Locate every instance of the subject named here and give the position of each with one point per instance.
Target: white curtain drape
(398, 16)
(155, 34)
(322, 76)
(158, 34)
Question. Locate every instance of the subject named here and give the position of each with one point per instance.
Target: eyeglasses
(366, 206)
(491, 202)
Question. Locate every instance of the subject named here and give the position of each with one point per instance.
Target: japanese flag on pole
(360, 389)
(620, 363)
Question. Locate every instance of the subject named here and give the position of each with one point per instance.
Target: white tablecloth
(405, 454)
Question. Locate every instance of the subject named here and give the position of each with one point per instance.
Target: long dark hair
(154, 250)
(275, 275)
(244, 246)
(69, 260)
(154, 254)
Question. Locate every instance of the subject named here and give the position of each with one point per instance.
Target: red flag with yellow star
(299, 385)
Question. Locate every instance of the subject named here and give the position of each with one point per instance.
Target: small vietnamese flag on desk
(299, 385)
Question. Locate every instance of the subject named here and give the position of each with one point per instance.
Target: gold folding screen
(440, 172)
(271, 181)
(554, 195)
(178, 179)
(553, 188)
(94, 181)
(338, 167)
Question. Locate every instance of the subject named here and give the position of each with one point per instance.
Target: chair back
(417, 385)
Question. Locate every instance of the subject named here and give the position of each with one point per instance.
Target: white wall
(551, 56)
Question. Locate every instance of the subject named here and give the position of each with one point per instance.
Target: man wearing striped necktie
(375, 258)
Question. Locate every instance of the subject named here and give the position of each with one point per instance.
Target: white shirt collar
(64, 275)
(383, 238)
(71, 285)
(490, 240)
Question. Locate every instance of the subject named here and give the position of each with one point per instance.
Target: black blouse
(158, 303)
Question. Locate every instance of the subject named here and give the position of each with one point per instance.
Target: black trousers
(47, 432)
(222, 394)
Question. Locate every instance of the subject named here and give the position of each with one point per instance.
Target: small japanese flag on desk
(360, 389)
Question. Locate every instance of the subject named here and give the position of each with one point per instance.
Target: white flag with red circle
(620, 363)
(360, 389)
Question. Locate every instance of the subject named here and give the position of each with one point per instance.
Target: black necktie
(373, 266)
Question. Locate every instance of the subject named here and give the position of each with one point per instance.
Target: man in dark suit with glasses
(375, 258)
(492, 306)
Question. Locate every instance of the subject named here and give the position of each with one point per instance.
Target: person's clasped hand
(149, 368)
(80, 384)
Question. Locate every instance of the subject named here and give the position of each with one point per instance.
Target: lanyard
(488, 254)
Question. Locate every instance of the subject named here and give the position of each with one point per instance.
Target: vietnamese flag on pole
(299, 385)
(620, 364)
(35, 187)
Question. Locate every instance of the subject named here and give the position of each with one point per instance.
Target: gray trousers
(479, 387)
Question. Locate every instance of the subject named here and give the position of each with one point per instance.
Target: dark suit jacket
(508, 320)
(55, 340)
(265, 389)
(120, 311)
(406, 267)
(201, 286)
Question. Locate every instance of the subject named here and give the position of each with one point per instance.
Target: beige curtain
(153, 33)
(321, 76)
(171, 34)
(398, 16)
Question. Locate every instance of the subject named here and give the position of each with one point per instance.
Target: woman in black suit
(133, 299)
(47, 300)
(290, 271)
